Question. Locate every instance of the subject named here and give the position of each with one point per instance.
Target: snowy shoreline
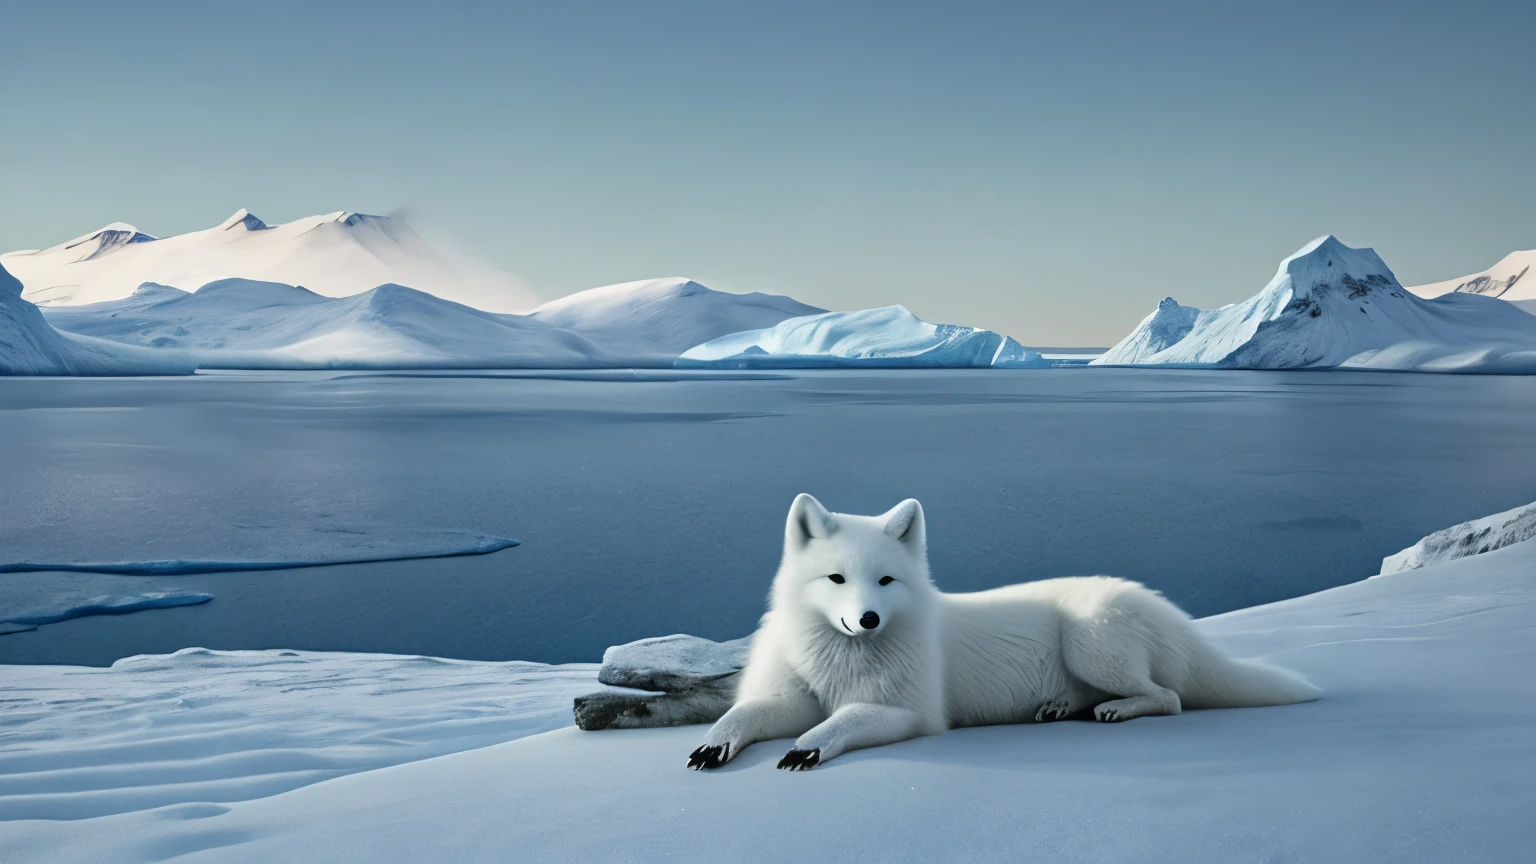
(282, 755)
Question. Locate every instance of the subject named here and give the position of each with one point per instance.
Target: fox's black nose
(869, 621)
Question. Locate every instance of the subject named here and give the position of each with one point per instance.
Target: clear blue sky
(1050, 171)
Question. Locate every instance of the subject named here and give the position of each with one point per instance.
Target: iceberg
(887, 336)
(1332, 306)
(336, 255)
(29, 345)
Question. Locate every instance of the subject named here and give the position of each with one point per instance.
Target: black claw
(709, 757)
(800, 760)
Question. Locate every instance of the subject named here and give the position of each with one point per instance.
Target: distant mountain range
(348, 290)
(334, 255)
(240, 323)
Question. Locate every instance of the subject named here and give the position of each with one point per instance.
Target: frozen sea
(653, 502)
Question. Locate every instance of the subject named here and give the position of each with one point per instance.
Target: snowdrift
(887, 336)
(240, 323)
(30, 346)
(1331, 306)
(335, 255)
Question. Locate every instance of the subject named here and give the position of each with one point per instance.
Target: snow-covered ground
(335, 255)
(888, 336)
(199, 728)
(29, 345)
(243, 324)
(1332, 306)
(1421, 750)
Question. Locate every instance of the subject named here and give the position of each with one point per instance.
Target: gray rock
(690, 680)
(621, 710)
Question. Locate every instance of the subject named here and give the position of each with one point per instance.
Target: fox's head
(860, 575)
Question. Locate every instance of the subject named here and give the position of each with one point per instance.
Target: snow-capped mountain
(241, 323)
(335, 255)
(29, 346)
(1511, 279)
(888, 336)
(1330, 305)
(662, 318)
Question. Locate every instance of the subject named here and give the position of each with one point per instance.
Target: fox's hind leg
(1064, 705)
(1111, 657)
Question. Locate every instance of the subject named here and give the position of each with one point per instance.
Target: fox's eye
(886, 580)
(836, 577)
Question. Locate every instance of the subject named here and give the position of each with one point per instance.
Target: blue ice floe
(30, 601)
(312, 549)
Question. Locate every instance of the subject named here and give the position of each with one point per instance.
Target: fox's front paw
(709, 756)
(800, 760)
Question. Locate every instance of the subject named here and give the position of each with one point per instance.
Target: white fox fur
(932, 661)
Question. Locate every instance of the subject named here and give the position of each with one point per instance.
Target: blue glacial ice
(887, 336)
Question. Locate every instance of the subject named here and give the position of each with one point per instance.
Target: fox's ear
(807, 519)
(905, 523)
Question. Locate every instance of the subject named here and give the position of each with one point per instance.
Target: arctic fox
(859, 649)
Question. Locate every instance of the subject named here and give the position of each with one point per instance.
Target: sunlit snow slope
(1511, 279)
(662, 318)
(336, 255)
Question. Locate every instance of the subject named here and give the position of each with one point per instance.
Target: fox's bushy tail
(1223, 682)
